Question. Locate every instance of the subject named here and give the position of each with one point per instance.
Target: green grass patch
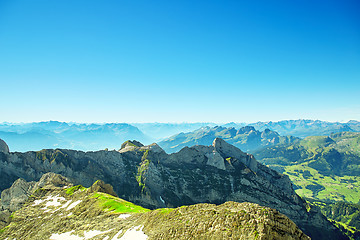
(129, 143)
(164, 210)
(70, 191)
(3, 229)
(347, 227)
(314, 142)
(346, 188)
(117, 205)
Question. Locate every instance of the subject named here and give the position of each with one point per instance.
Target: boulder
(101, 186)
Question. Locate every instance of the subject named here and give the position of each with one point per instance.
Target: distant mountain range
(299, 128)
(302, 128)
(159, 131)
(91, 137)
(246, 138)
(53, 134)
(305, 128)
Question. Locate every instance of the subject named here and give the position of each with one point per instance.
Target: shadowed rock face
(4, 147)
(64, 212)
(147, 176)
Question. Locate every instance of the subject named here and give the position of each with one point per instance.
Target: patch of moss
(3, 229)
(144, 165)
(53, 156)
(145, 155)
(117, 205)
(129, 143)
(70, 191)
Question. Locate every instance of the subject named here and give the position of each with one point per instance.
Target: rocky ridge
(147, 176)
(54, 211)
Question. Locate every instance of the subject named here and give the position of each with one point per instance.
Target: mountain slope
(64, 211)
(345, 215)
(246, 138)
(147, 176)
(322, 167)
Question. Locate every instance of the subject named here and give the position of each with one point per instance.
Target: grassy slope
(311, 184)
(116, 205)
(346, 216)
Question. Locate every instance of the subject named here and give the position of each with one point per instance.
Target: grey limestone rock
(229, 151)
(13, 198)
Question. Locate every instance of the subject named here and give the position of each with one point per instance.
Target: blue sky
(179, 61)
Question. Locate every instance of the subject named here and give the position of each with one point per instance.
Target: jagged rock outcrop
(13, 198)
(74, 212)
(130, 145)
(220, 155)
(229, 151)
(147, 176)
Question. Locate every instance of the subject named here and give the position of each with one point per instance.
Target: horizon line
(184, 122)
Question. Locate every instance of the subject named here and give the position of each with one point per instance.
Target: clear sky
(179, 61)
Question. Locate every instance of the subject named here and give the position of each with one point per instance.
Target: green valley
(320, 167)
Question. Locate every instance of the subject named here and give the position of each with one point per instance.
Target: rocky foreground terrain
(55, 209)
(147, 176)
